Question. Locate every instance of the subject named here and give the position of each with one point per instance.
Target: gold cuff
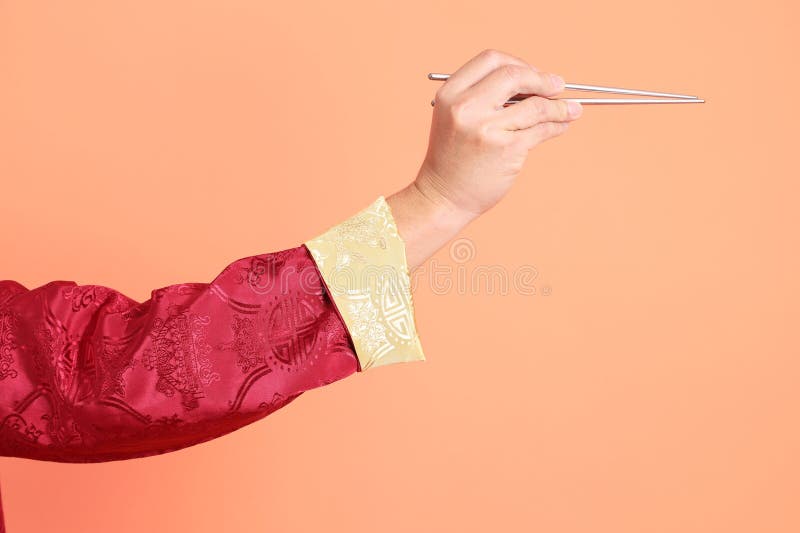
(363, 263)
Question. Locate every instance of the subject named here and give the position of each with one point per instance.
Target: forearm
(425, 220)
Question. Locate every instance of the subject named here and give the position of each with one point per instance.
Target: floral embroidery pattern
(180, 355)
(7, 345)
(114, 358)
(82, 296)
(249, 343)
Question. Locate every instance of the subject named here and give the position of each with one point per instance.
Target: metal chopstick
(620, 100)
(598, 88)
(626, 100)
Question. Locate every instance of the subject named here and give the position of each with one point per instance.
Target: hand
(477, 147)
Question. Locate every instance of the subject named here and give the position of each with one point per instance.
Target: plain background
(649, 384)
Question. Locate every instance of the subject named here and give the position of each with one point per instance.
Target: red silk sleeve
(88, 374)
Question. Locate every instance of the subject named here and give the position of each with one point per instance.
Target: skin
(477, 147)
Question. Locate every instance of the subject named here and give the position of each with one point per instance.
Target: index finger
(509, 80)
(477, 68)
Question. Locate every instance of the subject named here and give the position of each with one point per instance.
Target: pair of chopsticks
(664, 98)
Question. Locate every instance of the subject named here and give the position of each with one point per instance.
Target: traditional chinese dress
(87, 374)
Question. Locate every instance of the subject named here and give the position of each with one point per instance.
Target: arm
(88, 374)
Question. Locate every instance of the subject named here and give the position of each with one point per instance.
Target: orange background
(655, 388)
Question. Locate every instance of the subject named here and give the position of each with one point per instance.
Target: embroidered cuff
(363, 263)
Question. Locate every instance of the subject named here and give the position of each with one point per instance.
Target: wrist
(441, 210)
(425, 221)
(431, 185)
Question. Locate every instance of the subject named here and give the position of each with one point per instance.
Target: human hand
(477, 145)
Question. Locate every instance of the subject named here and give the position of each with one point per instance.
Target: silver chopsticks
(627, 100)
(667, 98)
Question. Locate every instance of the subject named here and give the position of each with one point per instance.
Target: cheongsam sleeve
(88, 374)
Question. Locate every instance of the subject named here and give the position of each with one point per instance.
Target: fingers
(510, 79)
(476, 69)
(539, 133)
(535, 109)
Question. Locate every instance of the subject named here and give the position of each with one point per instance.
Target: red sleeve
(88, 374)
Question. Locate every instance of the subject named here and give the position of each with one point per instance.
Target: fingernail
(575, 109)
(558, 81)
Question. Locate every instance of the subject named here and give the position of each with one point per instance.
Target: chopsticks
(665, 98)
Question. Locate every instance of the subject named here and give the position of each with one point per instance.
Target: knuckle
(565, 109)
(538, 109)
(458, 113)
(442, 95)
(512, 72)
(491, 55)
(561, 110)
(486, 135)
(552, 81)
(542, 79)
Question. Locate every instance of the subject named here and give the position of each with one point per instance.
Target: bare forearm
(425, 221)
